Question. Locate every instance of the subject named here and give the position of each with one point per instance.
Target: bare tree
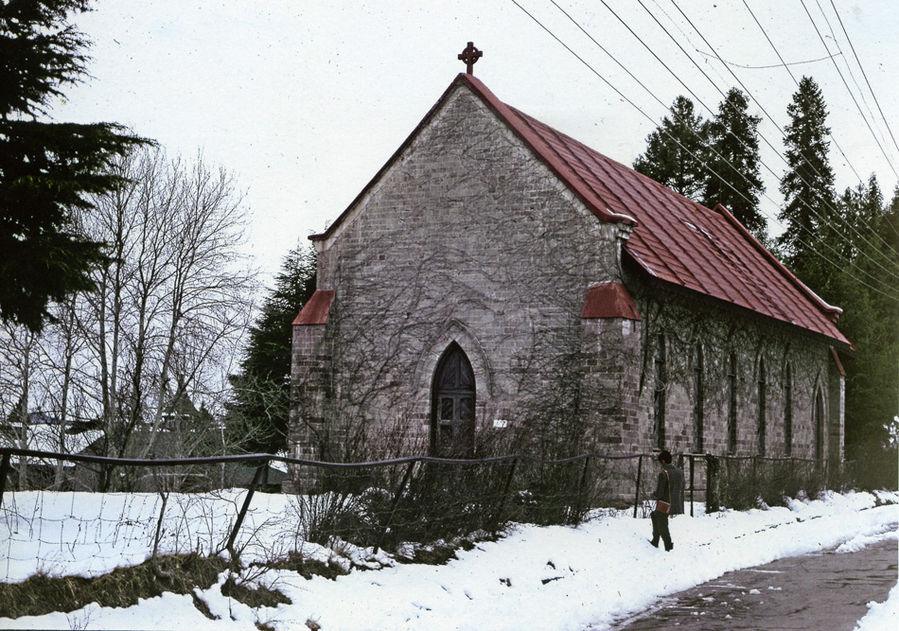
(147, 353)
(17, 350)
(175, 303)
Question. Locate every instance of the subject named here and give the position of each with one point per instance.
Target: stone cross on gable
(470, 55)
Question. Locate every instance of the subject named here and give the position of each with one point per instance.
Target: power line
(845, 60)
(805, 203)
(704, 164)
(641, 111)
(848, 89)
(824, 201)
(796, 82)
(864, 74)
(686, 36)
(768, 66)
(757, 102)
(786, 66)
(821, 198)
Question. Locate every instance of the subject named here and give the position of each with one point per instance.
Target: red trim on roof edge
(316, 309)
(833, 313)
(609, 300)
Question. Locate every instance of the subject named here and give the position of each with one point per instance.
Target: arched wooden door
(452, 413)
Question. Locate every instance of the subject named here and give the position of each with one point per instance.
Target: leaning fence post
(246, 505)
(580, 492)
(692, 483)
(395, 505)
(502, 502)
(4, 470)
(711, 483)
(637, 492)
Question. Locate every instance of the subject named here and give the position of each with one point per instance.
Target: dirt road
(827, 591)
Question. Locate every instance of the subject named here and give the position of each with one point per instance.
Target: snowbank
(554, 577)
(883, 615)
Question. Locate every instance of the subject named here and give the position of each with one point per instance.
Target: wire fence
(225, 503)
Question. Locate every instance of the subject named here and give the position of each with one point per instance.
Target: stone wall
(762, 349)
(467, 238)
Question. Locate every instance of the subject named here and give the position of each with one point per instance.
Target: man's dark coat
(672, 493)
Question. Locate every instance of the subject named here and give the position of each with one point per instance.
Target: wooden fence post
(246, 505)
(4, 471)
(637, 492)
(692, 482)
(580, 492)
(395, 504)
(711, 483)
(502, 503)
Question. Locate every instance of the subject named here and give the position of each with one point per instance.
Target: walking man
(669, 496)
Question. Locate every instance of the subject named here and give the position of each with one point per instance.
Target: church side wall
(763, 351)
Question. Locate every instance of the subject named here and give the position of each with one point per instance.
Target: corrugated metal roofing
(675, 239)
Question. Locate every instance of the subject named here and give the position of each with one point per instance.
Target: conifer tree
(735, 179)
(807, 185)
(871, 316)
(258, 413)
(675, 151)
(47, 169)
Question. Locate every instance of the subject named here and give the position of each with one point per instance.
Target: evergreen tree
(807, 186)
(46, 168)
(870, 316)
(736, 182)
(258, 413)
(675, 151)
(876, 399)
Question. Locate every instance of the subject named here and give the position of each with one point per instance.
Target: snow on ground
(883, 615)
(555, 577)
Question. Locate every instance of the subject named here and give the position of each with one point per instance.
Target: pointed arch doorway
(453, 403)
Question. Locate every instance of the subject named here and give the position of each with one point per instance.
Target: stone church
(500, 287)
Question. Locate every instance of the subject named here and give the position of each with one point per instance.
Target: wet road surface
(826, 591)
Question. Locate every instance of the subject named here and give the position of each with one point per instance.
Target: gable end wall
(466, 237)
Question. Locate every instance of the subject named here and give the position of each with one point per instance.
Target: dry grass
(254, 597)
(122, 587)
(307, 568)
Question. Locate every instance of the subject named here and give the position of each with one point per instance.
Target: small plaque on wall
(500, 423)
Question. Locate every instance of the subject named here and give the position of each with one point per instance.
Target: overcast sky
(304, 101)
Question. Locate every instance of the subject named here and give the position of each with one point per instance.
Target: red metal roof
(609, 300)
(316, 309)
(675, 239)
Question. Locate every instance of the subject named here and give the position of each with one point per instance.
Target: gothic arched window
(732, 404)
(452, 416)
(819, 425)
(658, 399)
(698, 395)
(763, 402)
(788, 410)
